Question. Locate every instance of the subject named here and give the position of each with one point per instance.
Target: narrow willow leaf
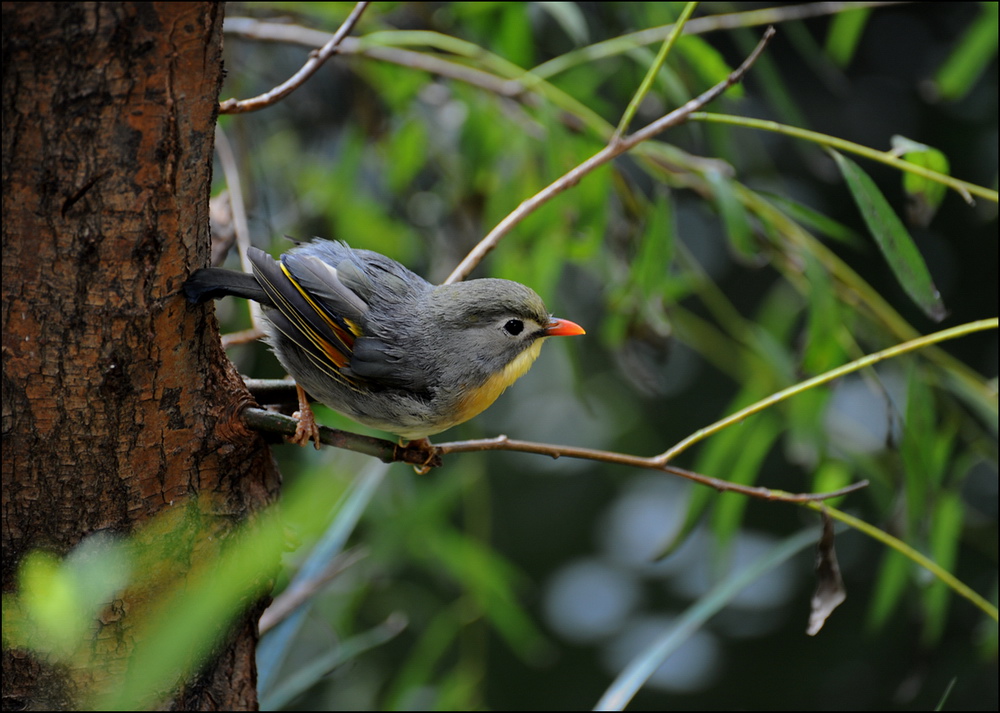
(892, 583)
(846, 29)
(708, 62)
(734, 216)
(638, 671)
(946, 531)
(925, 195)
(570, 19)
(892, 238)
(759, 435)
(974, 53)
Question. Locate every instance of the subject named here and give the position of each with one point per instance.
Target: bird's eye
(513, 327)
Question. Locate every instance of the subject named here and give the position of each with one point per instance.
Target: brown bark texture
(118, 406)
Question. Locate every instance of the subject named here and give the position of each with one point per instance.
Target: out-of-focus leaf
(846, 29)
(924, 195)
(830, 592)
(919, 433)
(513, 35)
(822, 349)
(319, 667)
(569, 17)
(770, 80)
(655, 253)
(487, 577)
(805, 439)
(47, 617)
(895, 243)
(816, 221)
(971, 57)
(946, 531)
(275, 648)
(758, 436)
(420, 667)
(723, 457)
(639, 669)
(831, 475)
(405, 154)
(708, 62)
(893, 578)
(734, 216)
(947, 692)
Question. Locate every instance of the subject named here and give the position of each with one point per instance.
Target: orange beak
(563, 328)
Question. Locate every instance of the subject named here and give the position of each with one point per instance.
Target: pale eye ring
(513, 327)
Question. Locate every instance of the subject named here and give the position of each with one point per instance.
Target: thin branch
(426, 456)
(316, 60)
(963, 188)
(502, 443)
(415, 453)
(227, 160)
(231, 339)
(527, 79)
(702, 25)
(654, 69)
(615, 148)
(914, 555)
(251, 28)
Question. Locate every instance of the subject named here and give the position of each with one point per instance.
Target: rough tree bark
(117, 403)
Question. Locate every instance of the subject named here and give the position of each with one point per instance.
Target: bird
(376, 342)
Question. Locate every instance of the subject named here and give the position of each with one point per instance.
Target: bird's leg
(426, 448)
(306, 429)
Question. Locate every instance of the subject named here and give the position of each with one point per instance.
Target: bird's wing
(377, 361)
(312, 308)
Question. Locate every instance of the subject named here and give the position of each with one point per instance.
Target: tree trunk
(118, 405)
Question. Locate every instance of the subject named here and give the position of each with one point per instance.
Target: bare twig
(227, 160)
(430, 455)
(296, 34)
(316, 60)
(427, 455)
(415, 453)
(517, 87)
(245, 336)
(502, 443)
(615, 147)
(653, 70)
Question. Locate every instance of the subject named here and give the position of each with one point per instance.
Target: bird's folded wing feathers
(326, 337)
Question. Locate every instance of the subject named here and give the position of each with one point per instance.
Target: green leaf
(892, 238)
(893, 578)
(925, 195)
(707, 62)
(757, 437)
(974, 53)
(570, 18)
(816, 221)
(832, 475)
(405, 154)
(734, 216)
(638, 671)
(846, 29)
(946, 531)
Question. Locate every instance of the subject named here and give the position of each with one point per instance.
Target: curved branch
(424, 456)
(616, 147)
(316, 60)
